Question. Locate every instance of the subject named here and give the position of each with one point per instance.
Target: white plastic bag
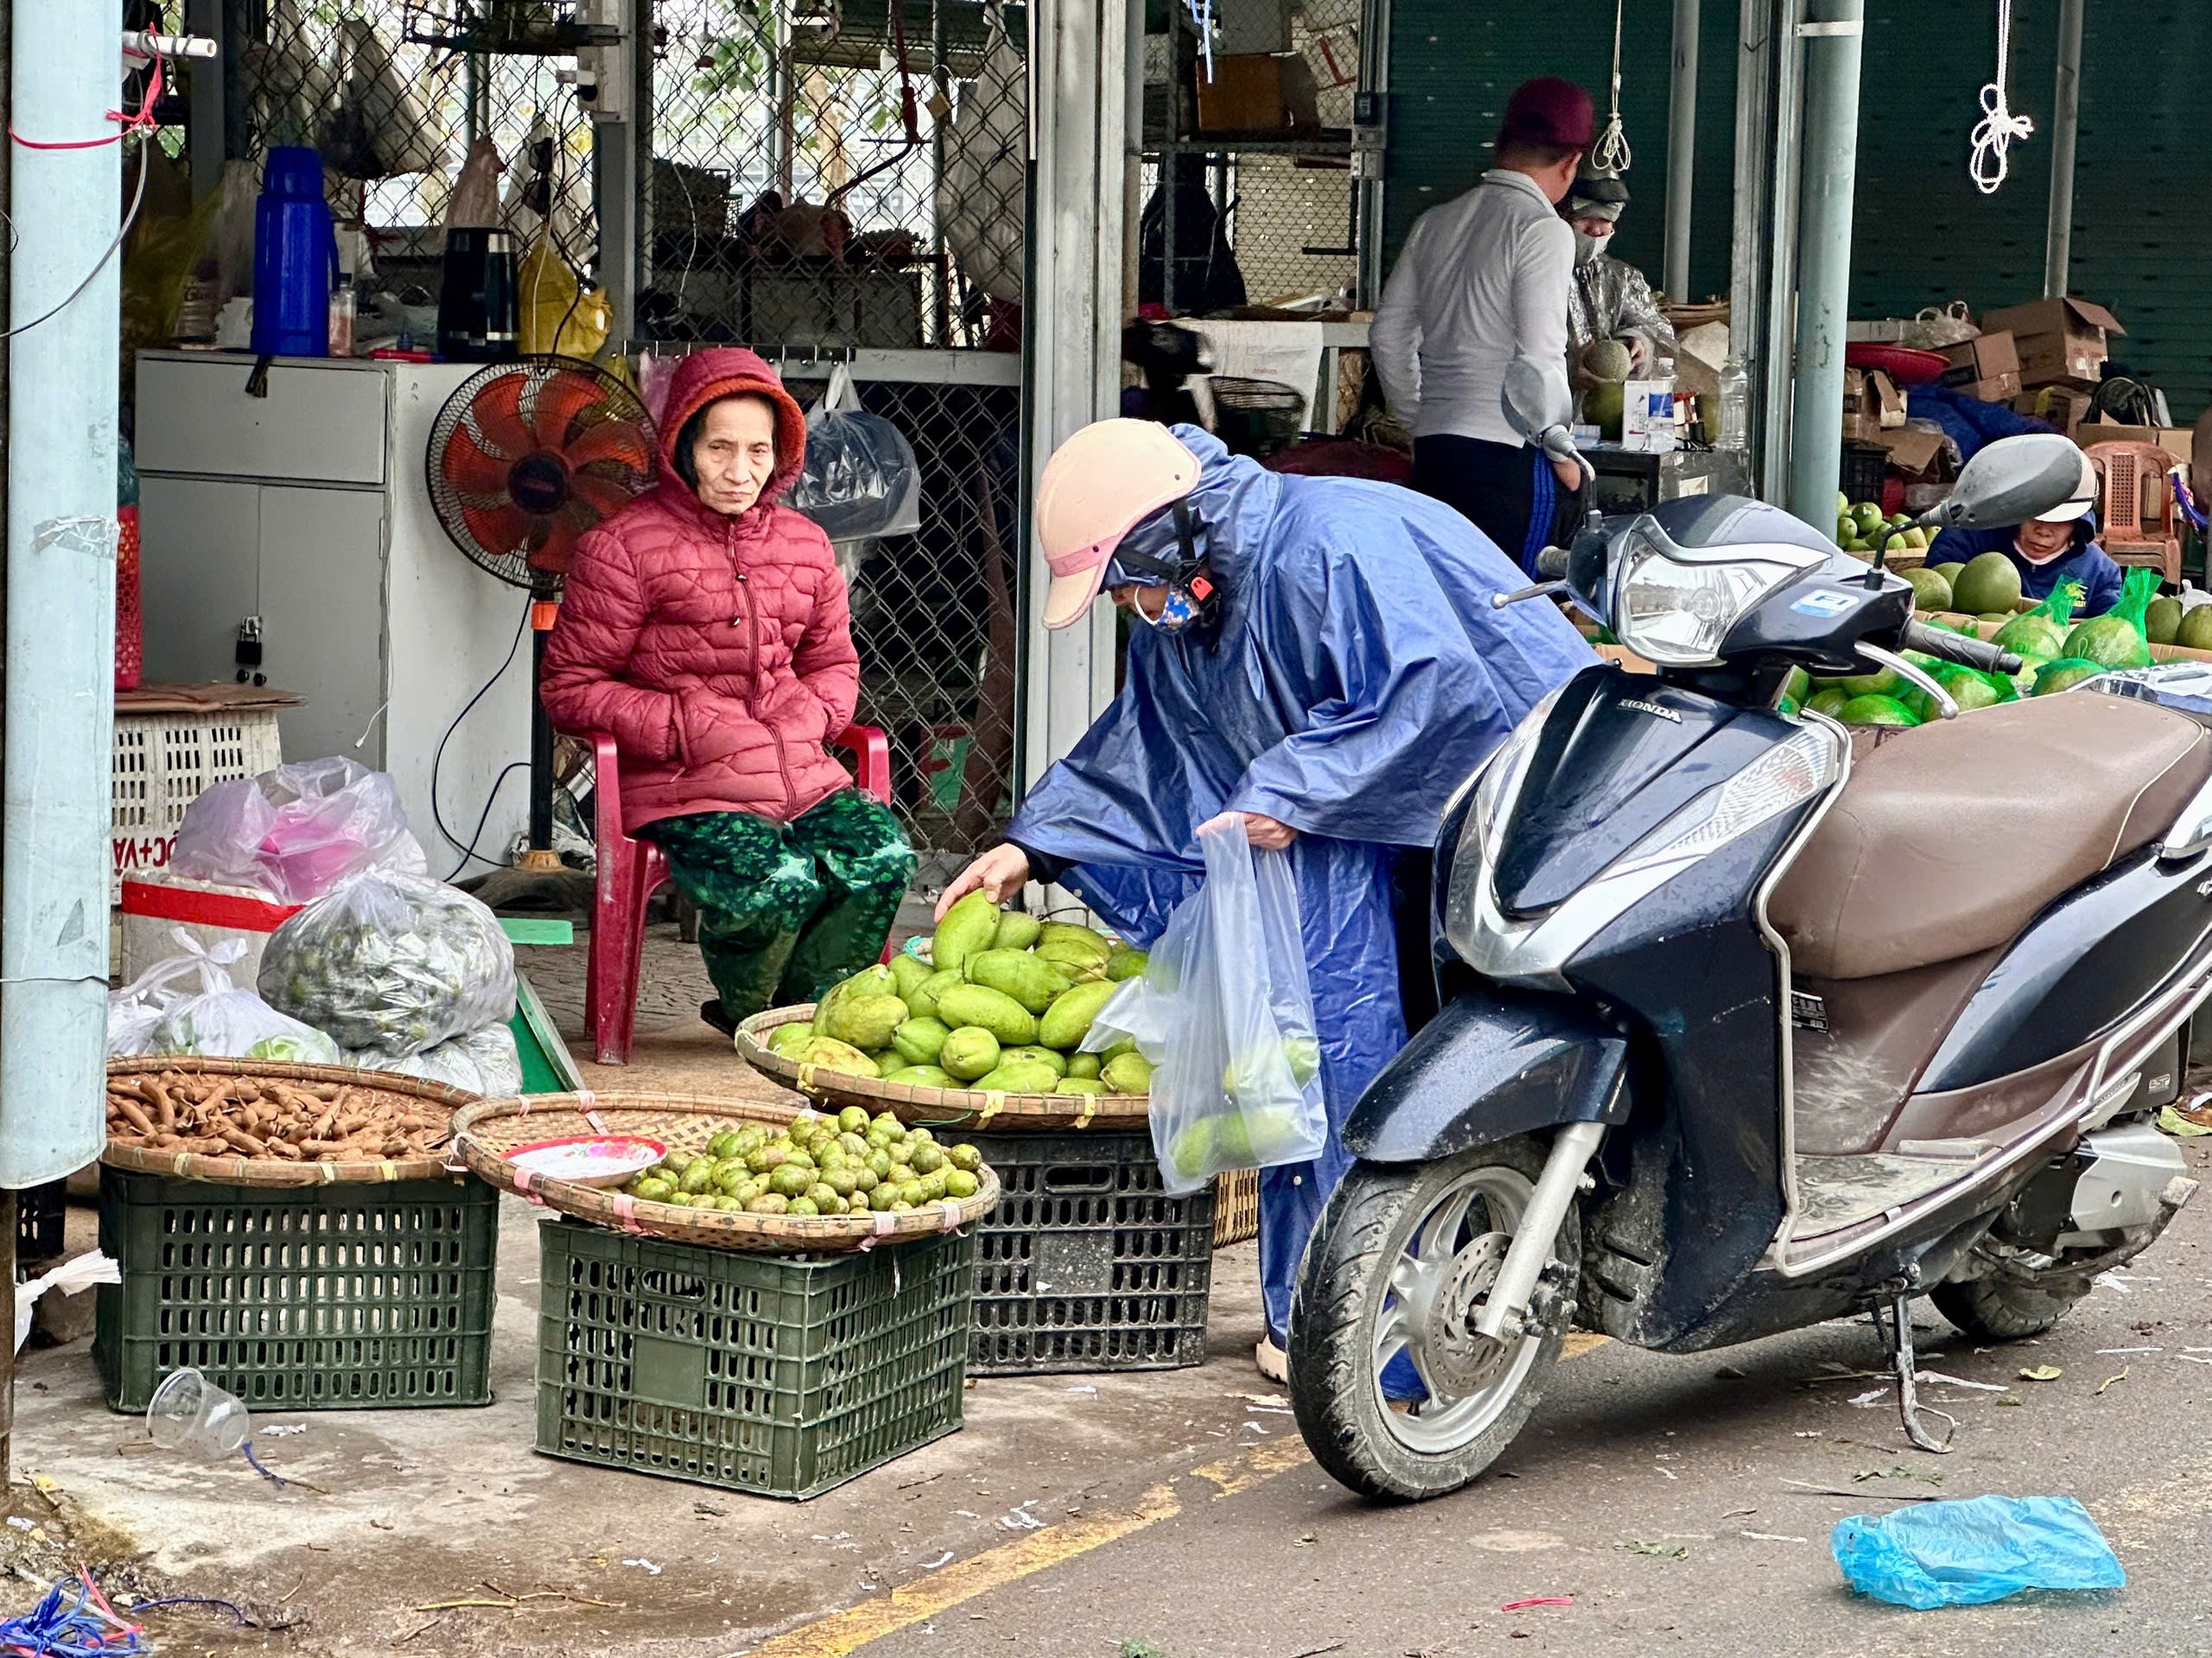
(861, 480)
(71, 1278)
(485, 1062)
(158, 1013)
(379, 128)
(295, 832)
(1225, 1013)
(981, 190)
(391, 963)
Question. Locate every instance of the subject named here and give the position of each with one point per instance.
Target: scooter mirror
(1537, 398)
(2014, 480)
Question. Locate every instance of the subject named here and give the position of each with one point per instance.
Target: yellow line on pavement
(840, 1634)
(847, 1631)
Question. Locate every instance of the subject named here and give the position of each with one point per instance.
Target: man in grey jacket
(1482, 280)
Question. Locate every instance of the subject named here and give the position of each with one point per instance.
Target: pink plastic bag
(297, 831)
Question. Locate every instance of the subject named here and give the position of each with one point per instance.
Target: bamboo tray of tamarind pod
(248, 1122)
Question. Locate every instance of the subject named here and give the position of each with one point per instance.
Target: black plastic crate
(41, 1214)
(1087, 1264)
(781, 1374)
(352, 1297)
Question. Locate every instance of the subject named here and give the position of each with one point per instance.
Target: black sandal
(711, 1011)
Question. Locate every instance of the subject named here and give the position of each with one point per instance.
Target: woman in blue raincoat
(1319, 664)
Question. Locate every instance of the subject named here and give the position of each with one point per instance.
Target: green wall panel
(1924, 235)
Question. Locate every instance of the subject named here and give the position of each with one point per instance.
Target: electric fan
(523, 459)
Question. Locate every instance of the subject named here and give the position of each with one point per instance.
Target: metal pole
(2065, 123)
(1833, 34)
(60, 626)
(1133, 165)
(1754, 202)
(1681, 151)
(1780, 250)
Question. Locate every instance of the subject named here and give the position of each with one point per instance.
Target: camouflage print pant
(786, 910)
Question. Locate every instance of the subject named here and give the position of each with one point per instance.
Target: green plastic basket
(1087, 1264)
(352, 1297)
(780, 1375)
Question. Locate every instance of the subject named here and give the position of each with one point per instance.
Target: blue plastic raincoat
(1358, 676)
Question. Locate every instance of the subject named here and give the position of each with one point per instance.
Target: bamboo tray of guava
(988, 1032)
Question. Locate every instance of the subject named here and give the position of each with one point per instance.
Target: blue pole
(54, 851)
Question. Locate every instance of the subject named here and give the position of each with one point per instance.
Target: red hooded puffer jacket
(717, 650)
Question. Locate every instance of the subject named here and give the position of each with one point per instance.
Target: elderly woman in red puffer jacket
(706, 627)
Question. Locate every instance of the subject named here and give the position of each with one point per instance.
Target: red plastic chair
(631, 872)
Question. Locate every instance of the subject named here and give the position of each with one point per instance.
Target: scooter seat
(1947, 840)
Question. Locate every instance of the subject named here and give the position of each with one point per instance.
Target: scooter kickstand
(1910, 1409)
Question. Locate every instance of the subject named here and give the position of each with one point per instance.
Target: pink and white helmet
(1100, 485)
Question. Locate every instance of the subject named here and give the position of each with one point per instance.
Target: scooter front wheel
(1396, 1395)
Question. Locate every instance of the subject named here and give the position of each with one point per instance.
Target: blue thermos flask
(294, 257)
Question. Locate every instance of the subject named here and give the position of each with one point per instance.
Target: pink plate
(588, 1160)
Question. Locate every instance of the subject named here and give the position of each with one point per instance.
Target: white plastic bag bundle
(1225, 1013)
(187, 1005)
(485, 1063)
(391, 963)
(981, 191)
(297, 831)
(861, 480)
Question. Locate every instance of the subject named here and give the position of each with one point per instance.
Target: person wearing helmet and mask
(2060, 546)
(1611, 298)
(1317, 666)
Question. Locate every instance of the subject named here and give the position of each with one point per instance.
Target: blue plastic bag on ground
(1226, 1012)
(1967, 1553)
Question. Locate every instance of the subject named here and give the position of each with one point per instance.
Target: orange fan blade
(611, 440)
(557, 551)
(469, 469)
(560, 400)
(502, 531)
(496, 413)
(601, 496)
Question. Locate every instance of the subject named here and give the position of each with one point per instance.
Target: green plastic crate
(780, 1375)
(315, 1298)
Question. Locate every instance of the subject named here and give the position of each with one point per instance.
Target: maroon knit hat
(1548, 110)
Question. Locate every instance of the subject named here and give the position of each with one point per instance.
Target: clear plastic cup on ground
(190, 1412)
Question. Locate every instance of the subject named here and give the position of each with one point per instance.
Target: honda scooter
(1751, 1020)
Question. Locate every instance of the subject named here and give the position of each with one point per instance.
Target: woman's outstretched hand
(1266, 833)
(998, 875)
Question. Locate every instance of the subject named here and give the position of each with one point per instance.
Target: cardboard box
(1872, 405)
(1260, 91)
(2063, 403)
(1917, 454)
(158, 906)
(2003, 389)
(1648, 416)
(1991, 357)
(2058, 339)
(2179, 442)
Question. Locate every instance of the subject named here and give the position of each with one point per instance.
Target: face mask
(1193, 596)
(2040, 559)
(1588, 247)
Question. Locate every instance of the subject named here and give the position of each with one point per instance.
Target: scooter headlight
(1675, 611)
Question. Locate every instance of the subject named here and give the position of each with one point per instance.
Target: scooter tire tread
(1332, 1392)
(1999, 1309)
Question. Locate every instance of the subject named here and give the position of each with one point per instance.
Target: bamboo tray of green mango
(989, 1031)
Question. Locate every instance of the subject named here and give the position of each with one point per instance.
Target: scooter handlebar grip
(1957, 647)
(1551, 563)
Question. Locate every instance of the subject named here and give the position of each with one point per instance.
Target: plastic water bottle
(1735, 405)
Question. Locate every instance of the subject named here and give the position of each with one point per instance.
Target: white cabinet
(307, 508)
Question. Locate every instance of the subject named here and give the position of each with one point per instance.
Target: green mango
(969, 1051)
(1035, 1055)
(921, 1040)
(923, 1003)
(994, 1010)
(969, 926)
(790, 1040)
(1023, 1077)
(1083, 1067)
(1077, 947)
(1018, 929)
(1128, 1073)
(1068, 1021)
(1080, 1085)
(1126, 963)
(866, 1021)
(827, 1053)
(911, 972)
(1030, 980)
(877, 980)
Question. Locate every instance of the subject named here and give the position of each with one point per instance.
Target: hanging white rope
(1612, 148)
(1999, 127)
